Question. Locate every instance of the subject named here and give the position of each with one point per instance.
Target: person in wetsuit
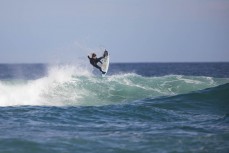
(94, 60)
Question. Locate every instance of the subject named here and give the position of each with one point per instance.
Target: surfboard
(106, 62)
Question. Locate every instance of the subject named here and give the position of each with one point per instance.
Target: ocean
(136, 108)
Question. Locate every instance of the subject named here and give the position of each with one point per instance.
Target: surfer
(94, 60)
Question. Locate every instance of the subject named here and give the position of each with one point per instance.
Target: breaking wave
(75, 86)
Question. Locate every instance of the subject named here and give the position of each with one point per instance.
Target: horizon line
(122, 62)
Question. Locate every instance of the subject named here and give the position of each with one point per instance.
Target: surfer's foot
(103, 72)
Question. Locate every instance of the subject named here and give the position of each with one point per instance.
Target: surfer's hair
(93, 54)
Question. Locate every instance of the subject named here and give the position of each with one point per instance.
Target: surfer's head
(93, 55)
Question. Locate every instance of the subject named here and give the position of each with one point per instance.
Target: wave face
(72, 86)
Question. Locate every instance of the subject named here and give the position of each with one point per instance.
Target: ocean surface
(136, 108)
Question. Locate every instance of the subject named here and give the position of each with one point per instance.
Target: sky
(47, 31)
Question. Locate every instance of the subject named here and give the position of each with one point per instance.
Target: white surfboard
(106, 62)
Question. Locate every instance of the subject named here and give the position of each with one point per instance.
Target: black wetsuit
(95, 61)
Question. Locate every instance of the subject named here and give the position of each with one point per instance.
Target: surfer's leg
(99, 60)
(98, 67)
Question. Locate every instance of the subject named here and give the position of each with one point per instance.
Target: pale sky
(46, 31)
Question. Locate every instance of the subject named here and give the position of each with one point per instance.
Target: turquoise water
(68, 109)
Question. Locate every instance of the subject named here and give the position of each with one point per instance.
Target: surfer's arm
(88, 57)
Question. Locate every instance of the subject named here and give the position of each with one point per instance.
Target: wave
(214, 98)
(76, 86)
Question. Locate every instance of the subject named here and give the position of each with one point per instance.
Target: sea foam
(37, 92)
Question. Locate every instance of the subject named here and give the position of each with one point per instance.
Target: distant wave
(73, 86)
